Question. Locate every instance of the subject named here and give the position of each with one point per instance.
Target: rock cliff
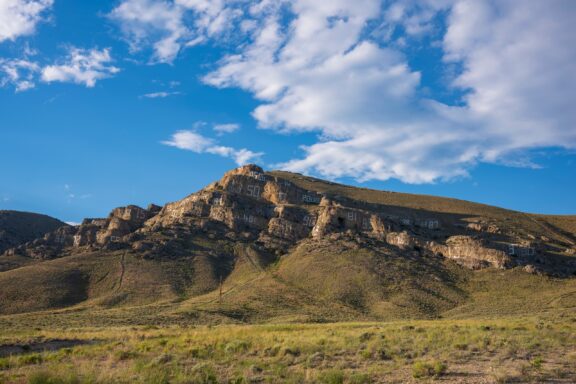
(276, 213)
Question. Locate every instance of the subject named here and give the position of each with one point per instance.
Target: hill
(261, 246)
(17, 228)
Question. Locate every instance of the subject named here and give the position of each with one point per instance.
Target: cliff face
(275, 213)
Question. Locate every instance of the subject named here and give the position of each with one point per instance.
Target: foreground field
(523, 349)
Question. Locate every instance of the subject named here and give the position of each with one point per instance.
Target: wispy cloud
(159, 95)
(164, 24)
(195, 142)
(226, 128)
(71, 196)
(20, 73)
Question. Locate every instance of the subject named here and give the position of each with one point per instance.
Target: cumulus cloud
(519, 60)
(323, 72)
(195, 142)
(81, 66)
(344, 70)
(20, 17)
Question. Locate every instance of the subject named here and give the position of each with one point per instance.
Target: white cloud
(82, 66)
(322, 73)
(20, 73)
(159, 95)
(190, 140)
(19, 17)
(342, 69)
(152, 22)
(519, 60)
(193, 141)
(165, 25)
(226, 128)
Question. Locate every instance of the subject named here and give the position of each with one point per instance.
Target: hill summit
(264, 243)
(20, 227)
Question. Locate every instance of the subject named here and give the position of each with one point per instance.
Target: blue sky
(109, 103)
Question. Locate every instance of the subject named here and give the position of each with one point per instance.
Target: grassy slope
(324, 281)
(19, 227)
(327, 282)
(101, 280)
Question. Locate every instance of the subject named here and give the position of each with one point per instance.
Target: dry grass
(497, 350)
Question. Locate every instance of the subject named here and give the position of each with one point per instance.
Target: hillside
(20, 227)
(261, 246)
(17, 228)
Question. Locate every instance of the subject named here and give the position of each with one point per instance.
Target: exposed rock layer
(248, 204)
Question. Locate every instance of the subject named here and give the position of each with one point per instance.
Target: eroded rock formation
(248, 204)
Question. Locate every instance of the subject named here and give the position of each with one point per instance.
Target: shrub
(331, 377)
(537, 363)
(272, 351)
(366, 354)
(5, 363)
(124, 355)
(382, 354)
(366, 336)
(422, 369)
(238, 380)
(291, 351)
(440, 368)
(34, 358)
(43, 377)
(236, 346)
(156, 375)
(461, 346)
(203, 374)
(162, 359)
(360, 378)
(201, 352)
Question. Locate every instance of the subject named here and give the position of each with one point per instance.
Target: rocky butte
(277, 211)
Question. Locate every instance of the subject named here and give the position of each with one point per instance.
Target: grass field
(490, 326)
(522, 349)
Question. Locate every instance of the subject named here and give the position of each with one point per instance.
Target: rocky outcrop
(483, 226)
(92, 233)
(250, 205)
(471, 253)
(401, 240)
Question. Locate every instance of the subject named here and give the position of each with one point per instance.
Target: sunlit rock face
(472, 253)
(250, 205)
